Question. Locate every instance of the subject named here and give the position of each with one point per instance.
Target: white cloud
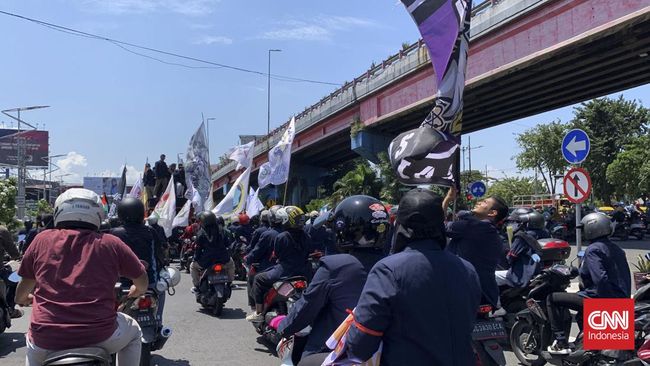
(208, 40)
(319, 28)
(71, 161)
(185, 7)
(132, 174)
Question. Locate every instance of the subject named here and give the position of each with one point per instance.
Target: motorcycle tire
(145, 354)
(518, 331)
(218, 307)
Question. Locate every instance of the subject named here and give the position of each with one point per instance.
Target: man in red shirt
(72, 272)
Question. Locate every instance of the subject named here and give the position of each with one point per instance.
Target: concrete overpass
(526, 57)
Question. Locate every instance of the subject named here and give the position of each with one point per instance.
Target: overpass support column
(369, 143)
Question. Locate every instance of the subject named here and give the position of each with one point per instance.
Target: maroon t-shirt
(74, 298)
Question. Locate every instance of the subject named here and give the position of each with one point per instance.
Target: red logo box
(608, 324)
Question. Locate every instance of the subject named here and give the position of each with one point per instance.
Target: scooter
(214, 289)
(278, 301)
(638, 229)
(187, 252)
(9, 271)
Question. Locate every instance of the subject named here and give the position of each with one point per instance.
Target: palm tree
(361, 180)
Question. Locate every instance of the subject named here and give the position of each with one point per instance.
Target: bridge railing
(407, 60)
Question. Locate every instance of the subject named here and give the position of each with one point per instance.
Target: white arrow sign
(574, 146)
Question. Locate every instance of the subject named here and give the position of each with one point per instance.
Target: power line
(125, 46)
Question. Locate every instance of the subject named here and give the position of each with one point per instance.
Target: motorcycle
(214, 289)
(554, 251)
(638, 229)
(486, 335)
(238, 252)
(278, 301)
(8, 271)
(144, 310)
(621, 230)
(187, 253)
(87, 356)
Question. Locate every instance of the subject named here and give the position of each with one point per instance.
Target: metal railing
(407, 60)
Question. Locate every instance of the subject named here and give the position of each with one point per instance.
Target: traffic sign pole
(578, 228)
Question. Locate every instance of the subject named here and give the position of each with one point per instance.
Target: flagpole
(286, 184)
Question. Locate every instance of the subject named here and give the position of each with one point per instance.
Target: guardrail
(407, 60)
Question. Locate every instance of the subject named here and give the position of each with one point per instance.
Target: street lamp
(268, 97)
(48, 159)
(22, 169)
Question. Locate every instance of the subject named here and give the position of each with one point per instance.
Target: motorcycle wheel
(526, 343)
(145, 355)
(218, 307)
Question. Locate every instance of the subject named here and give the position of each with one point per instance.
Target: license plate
(217, 278)
(490, 329)
(148, 319)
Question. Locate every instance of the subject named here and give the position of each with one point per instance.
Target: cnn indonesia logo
(609, 324)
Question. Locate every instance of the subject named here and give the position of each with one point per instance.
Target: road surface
(200, 339)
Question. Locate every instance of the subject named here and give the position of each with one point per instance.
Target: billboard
(36, 147)
(101, 185)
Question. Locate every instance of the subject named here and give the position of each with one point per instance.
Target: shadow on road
(157, 360)
(268, 347)
(227, 314)
(10, 342)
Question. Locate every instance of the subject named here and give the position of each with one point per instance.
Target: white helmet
(79, 207)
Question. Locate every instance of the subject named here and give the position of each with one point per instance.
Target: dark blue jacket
(330, 242)
(255, 237)
(478, 242)
(292, 251)
(520, 257)
(318, 237)
(142, 241)
(336, 287)
(211, 249)
(263, 250)
(604, 271)
(424, 300)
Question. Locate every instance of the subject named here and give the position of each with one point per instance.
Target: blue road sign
(575, 146)
(478, 189)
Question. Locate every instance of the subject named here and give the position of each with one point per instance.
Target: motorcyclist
(361, 223)
(475, 238)
(317, 233)
(211, 248)
(76, 256)
(7, 247)
(604, 273)
(411, 300)
(153, 223)
(618, 216)
(524, 255)
(244, 228)
(291, 249)
(255, 237)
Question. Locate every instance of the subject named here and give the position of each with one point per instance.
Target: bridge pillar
(369, 143)
(304, 181)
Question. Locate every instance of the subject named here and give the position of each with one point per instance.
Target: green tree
(508, 188)
(541, 151)
(360, 180)
(42, 206)
(629, 173)
(7, 201)
(611, 124)
(390, 186)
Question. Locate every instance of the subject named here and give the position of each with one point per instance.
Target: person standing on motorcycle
(421, 302)
(361, 223)
(291, 249)
(475, 238)
(211, 248)
(604, 273)
(524, 254)
(72, 271)
(7, 246)
(263, 250)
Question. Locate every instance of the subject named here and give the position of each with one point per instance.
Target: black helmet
(420, 216)
(207, 219)
(532, 219)
(131, 210)
(360, 221)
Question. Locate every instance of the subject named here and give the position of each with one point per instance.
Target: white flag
(183, 216)
(137, 189)
(253, 205)
(197, 167)
(235, 200)
(192, 194)
(165, 209)
(243, 155)
(276, 170)
(209, 203)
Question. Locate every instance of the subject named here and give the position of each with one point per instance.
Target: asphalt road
(200, 339)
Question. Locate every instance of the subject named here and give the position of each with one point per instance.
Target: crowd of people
(390, 266)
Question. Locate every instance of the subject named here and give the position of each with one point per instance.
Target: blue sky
(109, 106)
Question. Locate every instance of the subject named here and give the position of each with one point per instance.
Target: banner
(197, 163)
(36, 147)
(235, 200)
(183, 217)
(165, 209)
(444, 26)
(276, 170)
(243, 155)
(192, 194)
(253, 205)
